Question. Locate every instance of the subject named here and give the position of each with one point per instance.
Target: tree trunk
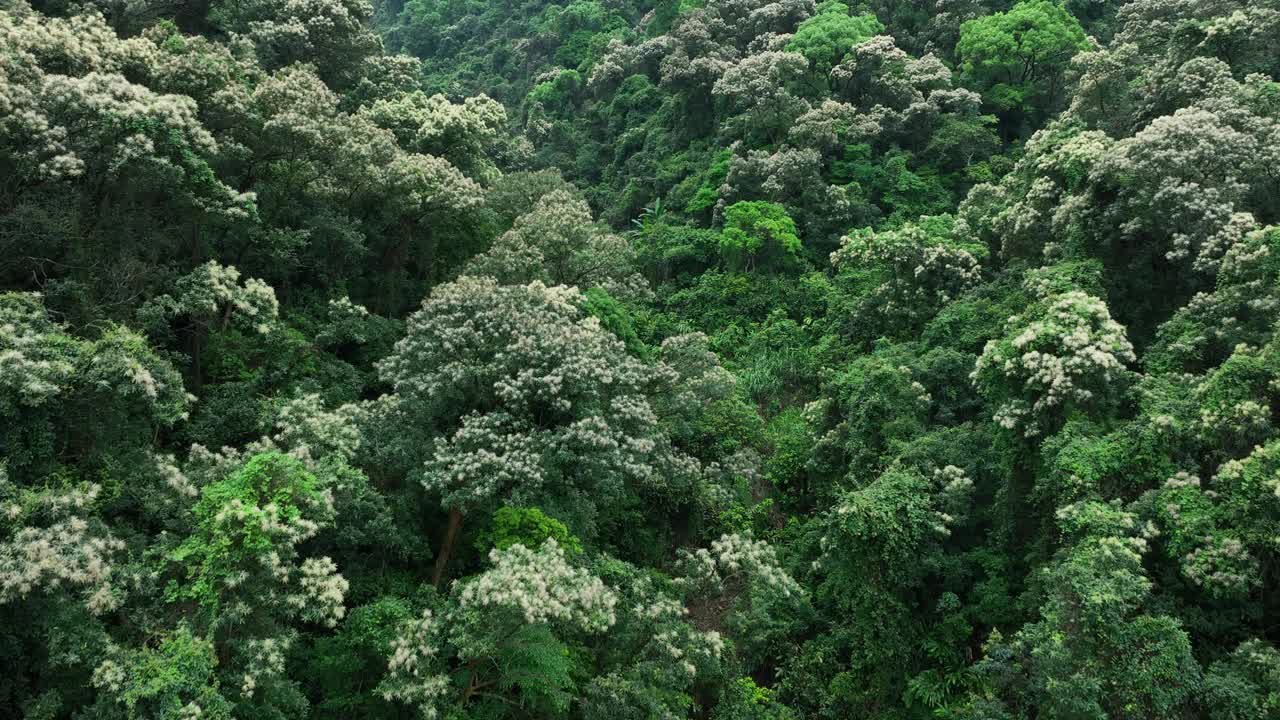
(195, 346)
(446, 547)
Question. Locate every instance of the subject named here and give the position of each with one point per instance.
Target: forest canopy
(639, 359)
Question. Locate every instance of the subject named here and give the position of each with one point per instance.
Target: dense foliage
(725, 359)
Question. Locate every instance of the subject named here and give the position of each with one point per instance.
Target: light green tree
(758, 235)
(1017, 59)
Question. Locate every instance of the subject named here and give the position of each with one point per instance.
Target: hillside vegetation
(713, 359)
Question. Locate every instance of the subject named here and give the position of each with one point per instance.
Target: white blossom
(1067, 353)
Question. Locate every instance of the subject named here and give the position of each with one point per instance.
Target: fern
(539, 666)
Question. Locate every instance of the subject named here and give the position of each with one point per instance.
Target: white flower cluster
(424, 184)
(1068, 353)
(310, 432)
(290, 31)
(1189, 181)
(32, 370)
(831, 123)
(263, 658)
(110, 676)
(954, 496)
(543, 587)
(760, 85)
(683, 648)
(433, 125)
(304, 430)
(1237, 310)
(1246, 419)
(158, 678)
(362, 160)
(121, 362)
(484, 456)
(690, 375)
(212, 287)
(1194, 171)
(723, 475)
(1255, 480)
(271, 519)
(734, 561)
(244, 557)
(1182, 479)
(523, 587)
(321, 592)
(69, 551)
(1040, 201)
(899, 94)
(530, 341)
(69, 104)
(673, 643)
(413, 676)
(790, 176)
(174, 478)
(1223, 567)
(347, 322)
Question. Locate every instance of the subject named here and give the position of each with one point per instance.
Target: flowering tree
(499, 638)
(1235, 312)
(71, 112)
(897, 279)
(1097, 648)
(758, 87)
(248, 527)
(791, 177)
(57, 391)
(242, 565)
(176, 678)
(1065, 353)
(1217, 530)
(463, 133)
(533, 402)
(558, 243)
(290, 31)
(51, 541)
(209, 298)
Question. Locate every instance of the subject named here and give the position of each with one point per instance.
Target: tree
(874, 553)
(1205, 331)
(177, 679)
(758, 93)
(1018, 58)
(533, 402)
(758, 234)
(51, 541)
(210, 298)
(1094, 652)
(248, 527)
(67, 397)
(825, 38)
(793, 178)
(285, 32)
(895, 280)
(465, 134)
(1012, 455)
(557, 242)
(1239, 686)
(1065, 353)
(498, 637)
